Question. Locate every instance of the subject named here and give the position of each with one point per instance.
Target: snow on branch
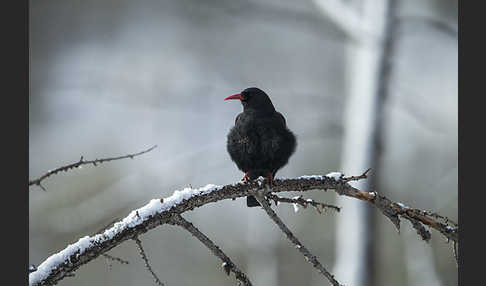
(167, 211)
(37, 182)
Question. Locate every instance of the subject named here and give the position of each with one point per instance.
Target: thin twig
(81, 162)
(312, 259)
(115, 258)
(356, 178)
(303, 202)
(227, 265)
(145, 259)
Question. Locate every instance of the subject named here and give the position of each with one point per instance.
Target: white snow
(136, 217)
(333, 175)
(403, 206)
(307, 177)
(296, 208)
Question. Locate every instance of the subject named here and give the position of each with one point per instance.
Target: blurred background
(362, 83)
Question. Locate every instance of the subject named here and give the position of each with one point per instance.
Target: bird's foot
(246, 178)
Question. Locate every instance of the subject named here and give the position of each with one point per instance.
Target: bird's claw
(246, 178)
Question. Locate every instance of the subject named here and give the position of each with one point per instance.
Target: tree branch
(81, 162)
(312, 259)
(161, 211)
(146, 261)
(303, 202)
(227, 265)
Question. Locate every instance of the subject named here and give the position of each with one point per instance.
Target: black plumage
(260, 142)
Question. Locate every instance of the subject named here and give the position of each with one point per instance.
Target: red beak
(235, 96)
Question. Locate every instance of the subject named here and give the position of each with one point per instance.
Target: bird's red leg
(245, 178)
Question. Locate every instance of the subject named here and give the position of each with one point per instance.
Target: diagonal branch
(146, 261)
(160, 211)
(228, 265)
(312, 259)
(81, 162)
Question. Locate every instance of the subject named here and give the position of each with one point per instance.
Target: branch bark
(161, 211)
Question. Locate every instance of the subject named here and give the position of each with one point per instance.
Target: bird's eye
(245, 96)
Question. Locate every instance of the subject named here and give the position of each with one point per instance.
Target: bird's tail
(251, 201)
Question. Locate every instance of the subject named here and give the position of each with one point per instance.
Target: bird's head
(254, 99)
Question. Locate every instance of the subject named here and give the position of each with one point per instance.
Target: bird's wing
(238, 117)
(282, 119)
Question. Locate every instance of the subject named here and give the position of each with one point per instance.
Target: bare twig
(81, 162)
(66, 261)
(145, 259)
(312, 259)
(303, 202)
(356, 178)
(115, 258)
(227, 265)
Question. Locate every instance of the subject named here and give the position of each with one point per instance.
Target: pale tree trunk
(355, 225)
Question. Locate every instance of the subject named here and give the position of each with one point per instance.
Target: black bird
(260, 142)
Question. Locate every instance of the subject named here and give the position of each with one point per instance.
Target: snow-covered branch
(162, 211)
(81, 162)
